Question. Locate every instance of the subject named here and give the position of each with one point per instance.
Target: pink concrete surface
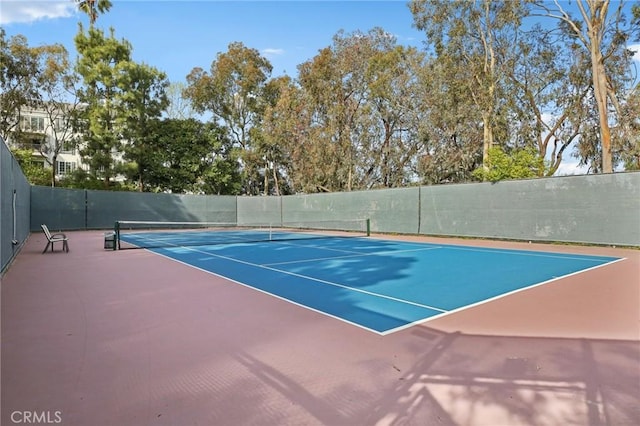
(97, 337)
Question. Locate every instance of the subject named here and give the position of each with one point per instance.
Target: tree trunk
(266, 179)
(54, 160)
(487, 140)
(275, 181)
(600, 92)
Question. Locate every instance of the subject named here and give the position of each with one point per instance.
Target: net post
(116, 231)
(368, 227)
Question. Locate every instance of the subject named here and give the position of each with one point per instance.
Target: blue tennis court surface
(380, 285)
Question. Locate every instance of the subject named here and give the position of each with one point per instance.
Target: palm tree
(93, 7)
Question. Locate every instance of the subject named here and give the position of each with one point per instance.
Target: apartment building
(41, 131)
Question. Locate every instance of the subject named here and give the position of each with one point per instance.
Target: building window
(32, 124)
(65, 167)
(32, 142)
(68, 147)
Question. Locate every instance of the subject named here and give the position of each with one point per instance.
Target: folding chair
(54, 238)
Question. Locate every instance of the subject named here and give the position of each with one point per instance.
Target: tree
(522, 163)
(232, 92)
(360, 113)
(101, 61)
(92, 8)
(629, 131)
(38, 78)
(550, 95)
(281, 135)
(57, 85)
(35, 173)
(19, 72)
(179, 107)
(188, 156)
(332, 105)
(393, 76)
(285, 137)
(449, 125)
(142, 100)
(603, 33)
(478, 35)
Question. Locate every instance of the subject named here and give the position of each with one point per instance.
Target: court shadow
(361, 263)
(455, 379)
(281, 383)
(322, 277)
(477, 379)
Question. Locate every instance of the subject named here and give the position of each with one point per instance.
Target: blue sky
(176, 36)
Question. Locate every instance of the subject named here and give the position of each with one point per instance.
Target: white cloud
(26, 11)
(636, 50)
(272, 52)
(570, 166)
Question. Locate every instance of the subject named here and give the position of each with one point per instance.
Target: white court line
(355, 254)
(443, 312)
(522, 252)
(206, 271)
(516, 252)
(352, 253)
(324, 247)
(500, 296)
(370, 293)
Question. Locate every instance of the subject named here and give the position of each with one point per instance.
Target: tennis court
(135, 337)
(376, 284)
(274, 327)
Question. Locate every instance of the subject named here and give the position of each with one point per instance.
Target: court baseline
(380, 285)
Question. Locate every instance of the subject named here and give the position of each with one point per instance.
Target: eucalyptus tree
(278, 137)
(19, 72)
(37, 78)
(331, 106)
(451, 127)
(629, 131)
(348, 104)
(232, 92)
(360, 95)
(389, 136)
(474, 39)
(179, 107)
(286, 124)
(336, 85)
(289, 135)
(601, 30)
(58, 85)
(550, 96)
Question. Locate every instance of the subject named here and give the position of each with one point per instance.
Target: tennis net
(156, 234)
